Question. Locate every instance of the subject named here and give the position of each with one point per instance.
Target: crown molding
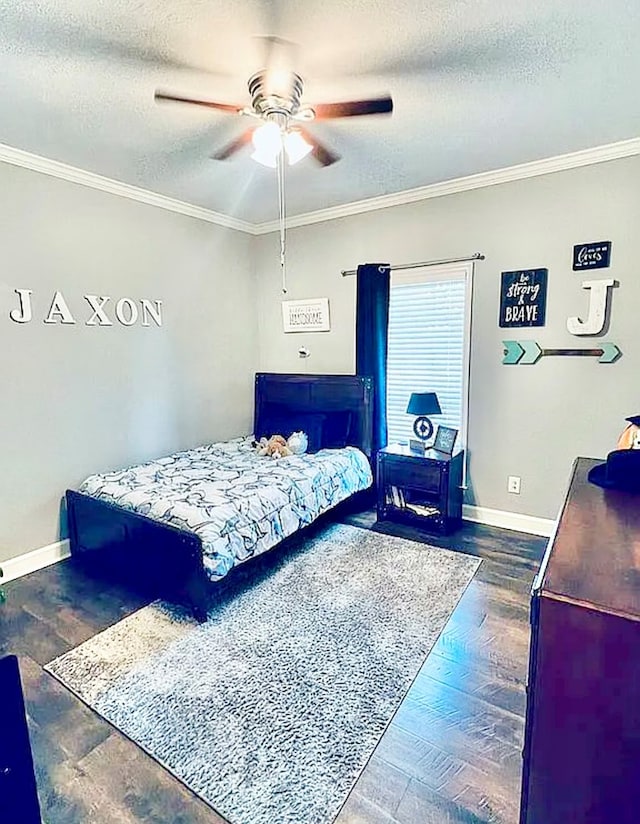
(560, 163)
(53, 168)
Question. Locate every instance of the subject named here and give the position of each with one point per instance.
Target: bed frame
(108, 539)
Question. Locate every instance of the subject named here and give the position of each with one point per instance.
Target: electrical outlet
(513, 484)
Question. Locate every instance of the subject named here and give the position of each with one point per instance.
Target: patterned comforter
(239, 504)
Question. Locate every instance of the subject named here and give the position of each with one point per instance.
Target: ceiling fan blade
(211, 104)
(353, 108)
(324, 156)
(489, 52)
(137, 46)
(233, 146)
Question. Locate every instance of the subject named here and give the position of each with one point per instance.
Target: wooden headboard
(324, 394)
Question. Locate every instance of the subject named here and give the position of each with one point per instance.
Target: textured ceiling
(477, 85)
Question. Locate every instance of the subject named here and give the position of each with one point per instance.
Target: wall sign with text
(592, 255)
(92, 310)
(310, 315)
(523, 298)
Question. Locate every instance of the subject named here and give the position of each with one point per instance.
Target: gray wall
(76, 399)
(529, 421)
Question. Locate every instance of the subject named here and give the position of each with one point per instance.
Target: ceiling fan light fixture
(296, 146)
(267, 142)
(277, 82)
(265, 158)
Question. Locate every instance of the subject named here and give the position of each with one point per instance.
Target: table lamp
(423, 404)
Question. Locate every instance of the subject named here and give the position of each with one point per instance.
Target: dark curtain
(372, 322)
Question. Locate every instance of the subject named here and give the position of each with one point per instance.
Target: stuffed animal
(630, 438)
(298, 443)
(275, 447)
(279, 447)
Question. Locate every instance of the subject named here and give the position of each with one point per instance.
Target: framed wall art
(311, 315)
(445, 439)
(592, 255)
(523, 298)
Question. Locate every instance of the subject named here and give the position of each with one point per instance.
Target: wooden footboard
(138, 549)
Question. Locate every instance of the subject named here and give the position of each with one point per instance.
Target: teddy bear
(279, 447)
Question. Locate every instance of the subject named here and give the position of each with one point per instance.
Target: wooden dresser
(582, 737)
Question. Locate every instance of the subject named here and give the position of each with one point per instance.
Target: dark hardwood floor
(452, 754)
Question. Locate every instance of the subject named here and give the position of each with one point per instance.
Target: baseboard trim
(36, 559)
(52, 553)
(509, 520)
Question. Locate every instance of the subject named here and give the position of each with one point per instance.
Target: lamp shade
(267, 141)
(424, 403)
(296, 146)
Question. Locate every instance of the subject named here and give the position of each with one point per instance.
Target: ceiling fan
(276, 100)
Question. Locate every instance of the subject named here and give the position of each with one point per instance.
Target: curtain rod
(477, 256)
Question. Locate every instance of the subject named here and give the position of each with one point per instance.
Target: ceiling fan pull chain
(282, 220)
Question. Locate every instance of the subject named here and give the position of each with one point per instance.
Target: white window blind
(427, 350)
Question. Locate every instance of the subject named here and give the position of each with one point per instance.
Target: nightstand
(421, 489)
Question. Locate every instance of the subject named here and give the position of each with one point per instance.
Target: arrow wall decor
(528, 351)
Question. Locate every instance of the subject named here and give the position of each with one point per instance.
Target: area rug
(270, 710)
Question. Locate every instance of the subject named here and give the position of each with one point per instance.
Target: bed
(185, 521)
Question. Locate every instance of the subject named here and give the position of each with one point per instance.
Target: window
(428, 349)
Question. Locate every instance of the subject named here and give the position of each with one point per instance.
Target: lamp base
(423, 428)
